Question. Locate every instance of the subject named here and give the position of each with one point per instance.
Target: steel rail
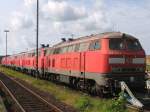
(22, 88)
(12, 96)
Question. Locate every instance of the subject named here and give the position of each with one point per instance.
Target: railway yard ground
(64, 96)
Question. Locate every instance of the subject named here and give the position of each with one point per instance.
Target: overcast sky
(61, 18)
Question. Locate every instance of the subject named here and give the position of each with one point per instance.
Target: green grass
(79, 100)
(148, 67)
(2, 108)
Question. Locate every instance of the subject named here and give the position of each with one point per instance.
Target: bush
(117, 105)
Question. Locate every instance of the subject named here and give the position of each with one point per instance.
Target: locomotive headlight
(138, 60)
(116, 60)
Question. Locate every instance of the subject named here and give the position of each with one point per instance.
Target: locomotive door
(42, 63)
(82, 69)
(82, 64)
(42, 54)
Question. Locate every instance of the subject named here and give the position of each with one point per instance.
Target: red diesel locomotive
(95, 63)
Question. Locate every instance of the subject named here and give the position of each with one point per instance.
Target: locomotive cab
(126, 61)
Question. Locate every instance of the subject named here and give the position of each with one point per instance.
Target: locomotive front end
(126, 61)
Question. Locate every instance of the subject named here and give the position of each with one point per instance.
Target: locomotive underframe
(94, 83)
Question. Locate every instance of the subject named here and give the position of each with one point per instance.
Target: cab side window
(95, 45)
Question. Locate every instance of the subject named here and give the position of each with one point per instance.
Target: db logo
(129, 60)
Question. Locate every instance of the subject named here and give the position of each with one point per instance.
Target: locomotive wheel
(73, 82)
(92, 89)
(100, 91)
(80, 85)
(46, 76)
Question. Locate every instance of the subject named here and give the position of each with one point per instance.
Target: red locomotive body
(94, 63)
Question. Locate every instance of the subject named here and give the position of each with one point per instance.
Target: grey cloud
(63, 11)
(57, 19)
(21, 21)
(28, 23)
(132, 19)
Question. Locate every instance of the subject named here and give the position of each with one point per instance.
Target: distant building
(148, 59)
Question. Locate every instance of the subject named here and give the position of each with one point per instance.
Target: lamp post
(6, 31)
(37, 38)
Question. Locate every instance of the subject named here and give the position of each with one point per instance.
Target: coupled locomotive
(95, 63)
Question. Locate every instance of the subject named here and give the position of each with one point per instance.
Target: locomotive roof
(94, 37)
(84, 39)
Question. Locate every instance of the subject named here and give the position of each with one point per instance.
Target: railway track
(26, 100)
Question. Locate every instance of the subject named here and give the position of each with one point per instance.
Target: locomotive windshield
(133, 45)
(124, 44)
(116, 44)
